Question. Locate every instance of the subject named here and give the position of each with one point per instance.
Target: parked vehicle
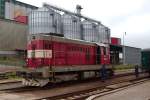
(146, 59)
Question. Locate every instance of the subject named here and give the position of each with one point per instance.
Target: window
(69, 48)
(87, 54)
(81, 49)
(78, 48)
(104, 50)
(73, 48)
(86, 50)
(47, 46)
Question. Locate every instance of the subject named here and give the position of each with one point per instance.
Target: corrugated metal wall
(44, 21)
(12, 35)
(14, 9)
(71, 26)
(132, 55)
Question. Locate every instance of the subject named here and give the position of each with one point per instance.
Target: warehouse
(130, 55)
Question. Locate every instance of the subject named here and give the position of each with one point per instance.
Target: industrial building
(129, 55)
(11, 9)
(49, 20)
(13, 41)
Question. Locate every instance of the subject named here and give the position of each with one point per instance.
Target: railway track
(16, 86)
(6, 75)
(115, 88)
(3, 76)
(80, 92)
(104, 87)
(10, 84)
(70, 90)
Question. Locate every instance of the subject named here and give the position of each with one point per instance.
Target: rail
(82, 94)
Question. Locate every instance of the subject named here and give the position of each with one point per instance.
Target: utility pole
(124, 48)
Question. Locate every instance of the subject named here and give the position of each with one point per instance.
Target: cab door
(98, 55)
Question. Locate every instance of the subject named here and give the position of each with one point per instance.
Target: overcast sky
(130, 16)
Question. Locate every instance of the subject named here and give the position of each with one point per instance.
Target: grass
(123, 67)
(12, 75)
(13, 61)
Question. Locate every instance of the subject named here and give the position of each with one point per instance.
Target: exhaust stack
(78, 9)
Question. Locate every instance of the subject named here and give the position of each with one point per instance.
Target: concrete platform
(137, 92)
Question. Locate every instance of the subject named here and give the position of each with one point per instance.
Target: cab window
(104, 50)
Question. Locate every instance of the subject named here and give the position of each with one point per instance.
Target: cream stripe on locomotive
(39, 53)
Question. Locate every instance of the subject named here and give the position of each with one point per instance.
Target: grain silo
(44, 20)
(90, 32)
(71, 26)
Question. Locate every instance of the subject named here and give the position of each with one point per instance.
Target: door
(98, 55)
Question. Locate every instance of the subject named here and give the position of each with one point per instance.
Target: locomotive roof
(65, 40)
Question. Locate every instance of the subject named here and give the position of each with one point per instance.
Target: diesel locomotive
(53, 58)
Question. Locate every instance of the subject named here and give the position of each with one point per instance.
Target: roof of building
(147, 49)
(22, 3)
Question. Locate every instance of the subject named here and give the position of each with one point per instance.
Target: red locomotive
(54, 58)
